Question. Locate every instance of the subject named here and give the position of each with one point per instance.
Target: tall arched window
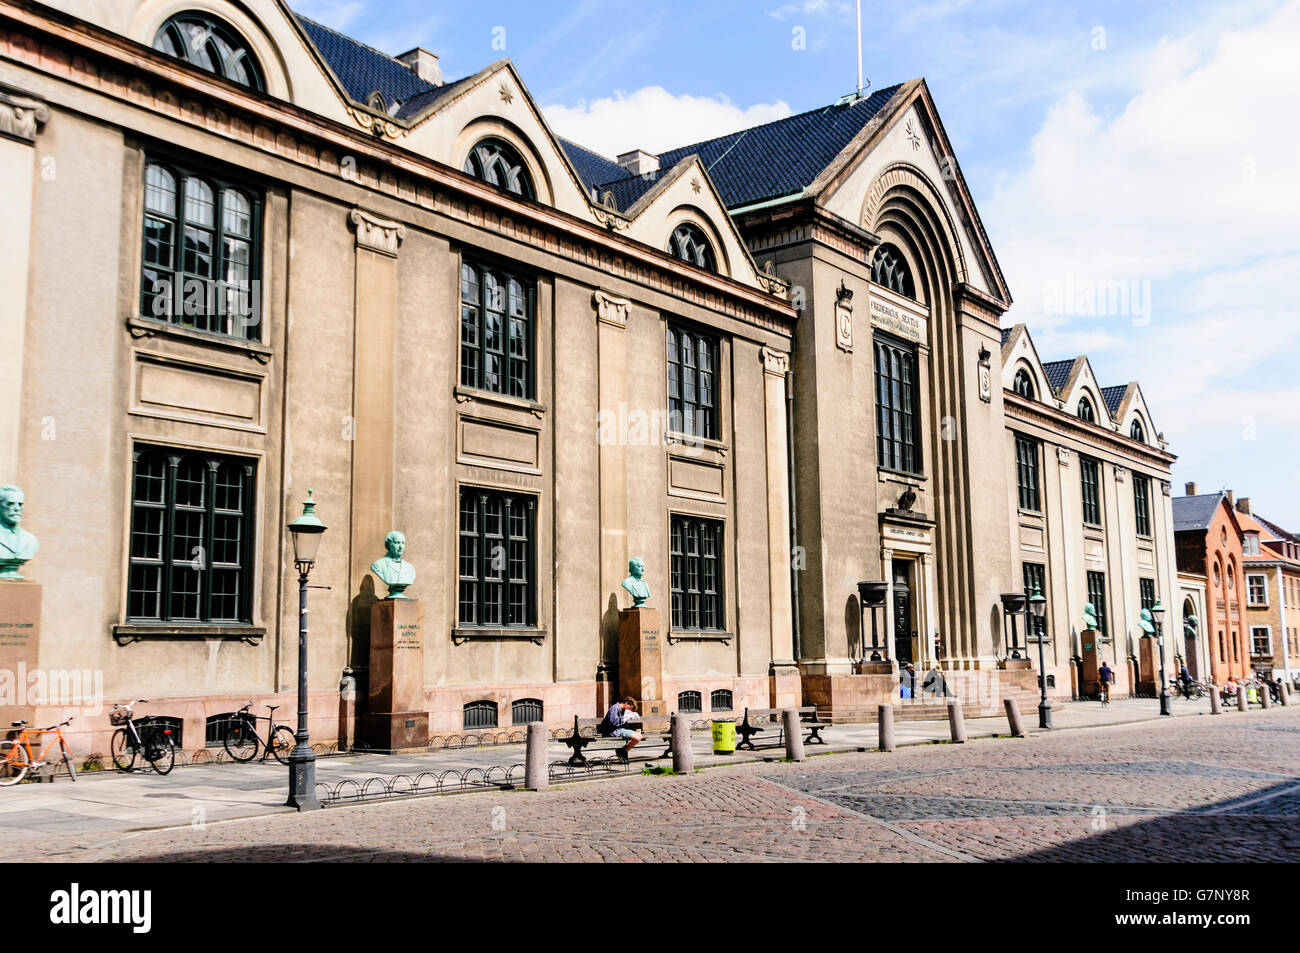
(499, 163)
(1085, 411)
(889, 268)
(209, 44)
(688, 243)
(1023, 384)
(1136, 432)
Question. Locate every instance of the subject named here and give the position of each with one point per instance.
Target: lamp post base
(302, 780)
(1044, 714)
(1164, 703)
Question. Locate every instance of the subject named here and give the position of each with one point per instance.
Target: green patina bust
(1089, 616)
(16, 544)
(1145, 623)
(635, 584)
(394, 571)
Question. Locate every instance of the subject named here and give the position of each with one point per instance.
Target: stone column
(373, 425)
(21, 119)
(781, 614)
(611, 346)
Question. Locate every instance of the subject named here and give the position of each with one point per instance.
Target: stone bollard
(1265, 696)
(956, 721)
(1284, 694)
(1214, 699)
(885, 718)
(1013, 718)
(793, 734)
(683, 754)
(536, 770)
(1243, 702)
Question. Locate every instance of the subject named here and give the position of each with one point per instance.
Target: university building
(249, 256)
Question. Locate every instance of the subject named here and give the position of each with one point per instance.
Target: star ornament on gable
(507, 95)
(695, 185)
(912, 137)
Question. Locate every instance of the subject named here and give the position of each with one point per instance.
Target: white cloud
(653, 119)
(809, 8)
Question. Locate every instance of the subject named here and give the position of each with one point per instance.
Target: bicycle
(155, 743)
(242, 740)
(16, 753)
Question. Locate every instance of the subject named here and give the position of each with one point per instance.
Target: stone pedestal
(873, 668)
(20, 638)
(396, 718)
(1014, 664)
(1089, 684)
(1148, 667)
(640, 662)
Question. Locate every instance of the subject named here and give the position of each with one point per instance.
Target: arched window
(480, 714)
(1136, 432)
(688, 243)
(1023, 384)
(889, 268)
(209, 44)
(689, 702)
(1085, 411)
(499, 163)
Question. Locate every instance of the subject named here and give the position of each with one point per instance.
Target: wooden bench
(768, 718)
(585, 734)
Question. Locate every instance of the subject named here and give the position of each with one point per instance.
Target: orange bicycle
(16, 753)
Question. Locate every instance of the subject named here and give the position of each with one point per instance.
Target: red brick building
(1208, 540)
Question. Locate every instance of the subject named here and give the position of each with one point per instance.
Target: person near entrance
(1186, 678)
(1105, 678)
(614, 725)
(907, 680)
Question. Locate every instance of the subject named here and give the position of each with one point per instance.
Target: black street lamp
(1013, 604)
(1038, 612)
(1158, 616)
(871, 595)
(306, 532)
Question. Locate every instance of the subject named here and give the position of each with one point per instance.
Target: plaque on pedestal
(20, 636)
(640, 663)
(396, 717)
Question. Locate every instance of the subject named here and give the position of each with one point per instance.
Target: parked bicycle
(242, 740)
(133, 739)
(16, 757)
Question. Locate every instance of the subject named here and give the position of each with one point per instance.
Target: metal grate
(480, 714)
(689, 702)
(214, 731)
(525, 710)
(720, 700)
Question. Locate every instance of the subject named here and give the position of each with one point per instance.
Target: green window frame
(1085, 411)
(498, 163)
(692, 383)
(497, 331)
(695, 572)
(1027, 473)
(688, 242)
(202, 258)
(1142, 504)
(211, 45)
(497, 559)
(898, 445)
(1097, 596)
(1023, 384)
(190, 557)
(1034, 575)
(1090, 490)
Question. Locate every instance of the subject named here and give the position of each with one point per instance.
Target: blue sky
(1154, 144)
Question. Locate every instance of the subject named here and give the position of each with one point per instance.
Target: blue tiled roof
(1058, 372)
(363, 70)
(1112, 396)
(1195, 512)
(1006, 333)
(778, 158)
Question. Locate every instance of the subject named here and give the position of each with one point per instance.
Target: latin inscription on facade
(896, 321)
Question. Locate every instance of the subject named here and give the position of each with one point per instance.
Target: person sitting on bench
(613, 726)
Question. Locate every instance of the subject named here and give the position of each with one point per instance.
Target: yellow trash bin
(724, 737)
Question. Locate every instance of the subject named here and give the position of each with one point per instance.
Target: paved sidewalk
(108, 802)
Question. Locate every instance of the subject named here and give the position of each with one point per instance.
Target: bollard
(1013, 718)
(793, 734)
(885, 717)
(536, 772)
(683, 755)
(1214, 699)
(1265, 696)
(956, 722)
(1283, 694)
(1243, 702)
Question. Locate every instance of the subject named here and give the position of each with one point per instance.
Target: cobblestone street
(1186, 789)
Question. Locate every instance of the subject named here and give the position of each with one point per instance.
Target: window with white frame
(1261, 640)
(1256, 589)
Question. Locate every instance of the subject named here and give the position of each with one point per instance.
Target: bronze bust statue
(394, 571)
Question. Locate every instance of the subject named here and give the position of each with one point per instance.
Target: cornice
(51, 43)
(1018, 407)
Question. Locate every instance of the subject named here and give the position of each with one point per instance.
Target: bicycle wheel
(241, 740)
(162, 754)
(123, 748)
(14, 762)
(282, 742)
